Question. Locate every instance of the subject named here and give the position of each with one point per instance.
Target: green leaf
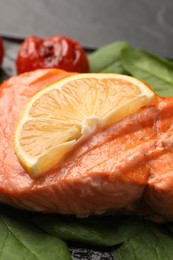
(108, 58)
(153, 243)
(102, 231)
(21, 240)
(155, 71)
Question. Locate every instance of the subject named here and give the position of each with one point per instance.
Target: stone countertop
(144, 24)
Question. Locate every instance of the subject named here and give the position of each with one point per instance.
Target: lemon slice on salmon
(61, 115)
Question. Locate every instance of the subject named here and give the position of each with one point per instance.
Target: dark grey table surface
(94, 23)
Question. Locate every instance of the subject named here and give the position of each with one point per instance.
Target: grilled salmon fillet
(116, 167)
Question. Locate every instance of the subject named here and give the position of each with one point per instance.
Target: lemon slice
(61, 115)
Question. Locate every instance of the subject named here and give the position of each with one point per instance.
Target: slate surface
(145, 24)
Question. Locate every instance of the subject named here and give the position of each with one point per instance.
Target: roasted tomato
(54, 52)
(1, 50)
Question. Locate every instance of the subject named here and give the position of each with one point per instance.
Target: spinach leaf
(102, 231)
(155, 71)
(20, 240)
(108, 58)
(153, 243)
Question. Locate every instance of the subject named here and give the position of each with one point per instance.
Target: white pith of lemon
(61, 115)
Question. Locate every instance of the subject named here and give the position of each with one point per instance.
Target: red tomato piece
(54, 52)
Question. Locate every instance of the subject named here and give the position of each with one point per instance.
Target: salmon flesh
(126, 167)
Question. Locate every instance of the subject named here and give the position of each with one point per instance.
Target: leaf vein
(17, 238)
